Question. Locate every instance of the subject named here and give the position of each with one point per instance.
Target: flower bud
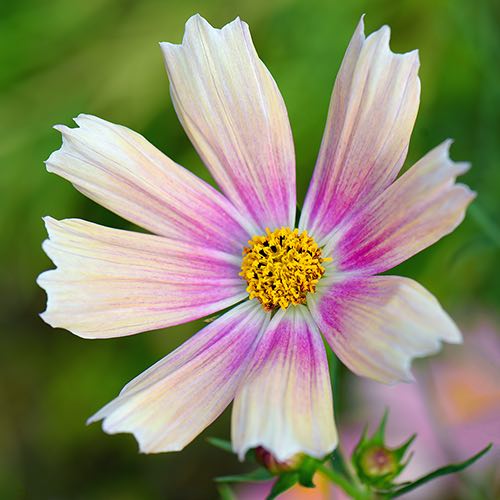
(378, 461)
(376, 464)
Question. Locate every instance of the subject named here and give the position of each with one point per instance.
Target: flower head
(240, 248)
(282, 267)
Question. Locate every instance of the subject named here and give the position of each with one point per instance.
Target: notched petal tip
(415, 54)
(84, 119)
(49, 162)
(144, 446)
(81, 120)
(64, 130)
(50, 222)
(456, 338)
(196, 19)
(469, 193)
(382, 38)
(97, 416)
(46, 318)
(461, 167)
(359, 31)
(193, 28)
(59, 127)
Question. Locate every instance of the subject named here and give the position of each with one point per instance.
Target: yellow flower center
(282, 267)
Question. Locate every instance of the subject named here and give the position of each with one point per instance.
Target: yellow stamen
(282, 267)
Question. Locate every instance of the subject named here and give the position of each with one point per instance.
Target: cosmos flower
(288, 282)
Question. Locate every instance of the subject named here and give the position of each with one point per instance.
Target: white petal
(377, 325)
(111, 283)
(169, 404)
(421, 207)
(372, 112)
(123, 172)
(235, 117)
(285, 402)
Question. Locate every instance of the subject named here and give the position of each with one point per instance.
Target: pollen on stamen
(282, 267)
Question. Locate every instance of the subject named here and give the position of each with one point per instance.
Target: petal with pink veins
(421, 207)
(112, 283)
(235, 116)
(376, 325)
(123, 172)
(169, 404)
(285, 400)
(372, 112)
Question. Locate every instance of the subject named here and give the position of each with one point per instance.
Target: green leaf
(225, 492)
(283, 483)
(254, 476)
(442, 471)
(222, 444)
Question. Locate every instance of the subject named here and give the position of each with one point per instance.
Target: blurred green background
(60, 58)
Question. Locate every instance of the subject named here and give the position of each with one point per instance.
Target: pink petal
(235, 117)
(285, 402)
(111, 283)
(120, 170)
(169, 404)
(417, 210)
(377, 324)
(371, 116)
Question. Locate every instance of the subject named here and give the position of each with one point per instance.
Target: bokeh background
(60, 58)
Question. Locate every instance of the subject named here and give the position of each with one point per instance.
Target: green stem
(352, 490)
(339, 465)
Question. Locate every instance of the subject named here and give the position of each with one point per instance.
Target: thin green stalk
(339, 464)
(352, 490)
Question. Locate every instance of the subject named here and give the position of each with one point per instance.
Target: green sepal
(307, 470)
(379, 435)
(255, 476)
(400, 452)
(284, 482)
(363, 440)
